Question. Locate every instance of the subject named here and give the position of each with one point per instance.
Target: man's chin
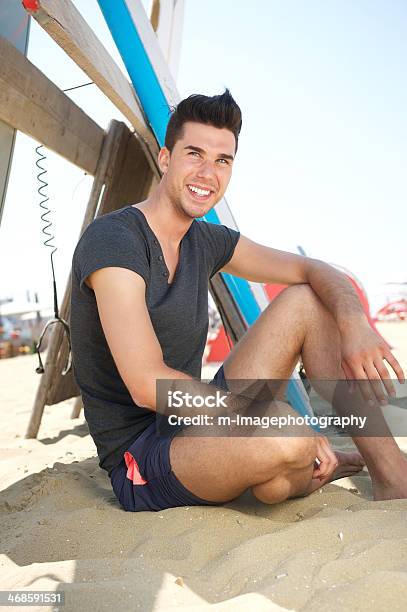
(198, 215)
(196, 211)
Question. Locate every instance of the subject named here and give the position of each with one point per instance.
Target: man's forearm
(170, 391)
(337, 293)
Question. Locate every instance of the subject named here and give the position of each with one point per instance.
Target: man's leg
(220, 469)
(297, 323)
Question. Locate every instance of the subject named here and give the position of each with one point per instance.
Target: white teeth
(200, 192)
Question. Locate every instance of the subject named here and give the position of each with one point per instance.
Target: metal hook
(68, 365)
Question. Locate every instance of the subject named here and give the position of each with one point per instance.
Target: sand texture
(62, 529)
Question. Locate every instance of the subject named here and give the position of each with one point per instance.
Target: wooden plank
(30, 102)
(155, 14)
(64, 23)
(130, 179)
(77, 407)
(232, 320)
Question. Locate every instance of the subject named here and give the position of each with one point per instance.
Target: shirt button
(160, 258)
(164, 273)
(155, 242)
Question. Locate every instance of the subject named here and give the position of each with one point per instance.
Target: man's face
(198, 170)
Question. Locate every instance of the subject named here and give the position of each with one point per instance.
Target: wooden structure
(122, 161)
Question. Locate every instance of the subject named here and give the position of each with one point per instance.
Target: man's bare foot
(397, 489)
(349, 464)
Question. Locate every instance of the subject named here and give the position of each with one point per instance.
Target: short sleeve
(107, 242)
(220, 242)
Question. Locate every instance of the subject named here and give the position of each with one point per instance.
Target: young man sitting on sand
(139, 314)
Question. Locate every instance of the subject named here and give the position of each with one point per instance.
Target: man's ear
(164, 159)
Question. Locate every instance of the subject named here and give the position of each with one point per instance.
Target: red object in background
(219, 347)
(31, 5)
(398, 308)
(273, 290)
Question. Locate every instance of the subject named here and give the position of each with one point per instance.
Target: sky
(322, 153)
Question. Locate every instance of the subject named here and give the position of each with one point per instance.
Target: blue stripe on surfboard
(239, 287)
(296, 398)
(157, 111)
(138, 65)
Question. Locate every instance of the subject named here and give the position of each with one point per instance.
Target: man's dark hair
(219, 111)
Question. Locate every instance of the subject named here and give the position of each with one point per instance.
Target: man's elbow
(146, 389)
(143, 395)
(315, 266)
(150, 390)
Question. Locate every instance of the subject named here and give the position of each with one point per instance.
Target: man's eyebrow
(199, 150)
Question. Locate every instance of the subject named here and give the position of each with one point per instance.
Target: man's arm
(363, 351)
(120, 297)
(259, 263)
(262, 264)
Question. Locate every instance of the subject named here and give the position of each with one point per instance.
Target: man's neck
(168, 224)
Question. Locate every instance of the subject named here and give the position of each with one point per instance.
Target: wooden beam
(31, 103)
(77, 407)
(64, 23)
(155, 14)
(232, 320)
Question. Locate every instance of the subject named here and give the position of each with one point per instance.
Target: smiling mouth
(199, 192)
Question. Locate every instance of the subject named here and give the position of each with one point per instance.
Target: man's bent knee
(300, 452)
(294, 474)
(268, 457)
(303, 297)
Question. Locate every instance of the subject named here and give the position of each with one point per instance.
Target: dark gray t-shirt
(178, 311)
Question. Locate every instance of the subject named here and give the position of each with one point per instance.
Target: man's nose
(206, 169)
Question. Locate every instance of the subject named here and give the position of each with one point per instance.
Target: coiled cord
(48, 243)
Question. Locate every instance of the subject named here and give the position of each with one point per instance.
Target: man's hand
(326, 462)
(331, 465)
(363, 357)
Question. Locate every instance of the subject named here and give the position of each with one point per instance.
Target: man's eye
(223, 160)
(194, 153)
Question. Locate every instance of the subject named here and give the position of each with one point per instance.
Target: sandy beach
(62, 528)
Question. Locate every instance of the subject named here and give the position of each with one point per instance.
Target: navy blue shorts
(158, 487)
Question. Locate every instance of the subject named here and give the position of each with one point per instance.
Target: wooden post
(232, 320)
(77, 407)
(126, 176)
